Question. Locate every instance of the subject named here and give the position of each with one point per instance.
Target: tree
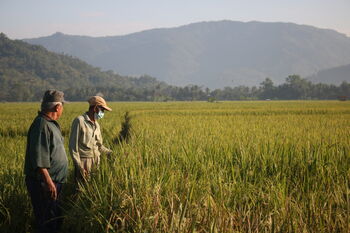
(296, 87)
(267, 89)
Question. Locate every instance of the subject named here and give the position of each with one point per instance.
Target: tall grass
(198, 167)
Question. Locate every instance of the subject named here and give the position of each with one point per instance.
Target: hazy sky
(33, 18)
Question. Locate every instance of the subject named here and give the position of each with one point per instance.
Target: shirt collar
(87, 118)
(41, 114)
(45, 116)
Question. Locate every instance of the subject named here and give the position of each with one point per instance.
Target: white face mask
(99, 115)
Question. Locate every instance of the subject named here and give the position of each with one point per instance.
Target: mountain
(213, 54)
(26, 71)
(334, 75)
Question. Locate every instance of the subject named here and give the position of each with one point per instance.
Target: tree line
(294, 88)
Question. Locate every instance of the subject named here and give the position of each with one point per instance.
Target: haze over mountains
(26, 71)
(213, 54)
(338, 74)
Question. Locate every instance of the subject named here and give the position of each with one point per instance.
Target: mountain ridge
(26, 71)
(59, 33)
(213, 54)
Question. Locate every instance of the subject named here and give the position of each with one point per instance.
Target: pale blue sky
(33, 18)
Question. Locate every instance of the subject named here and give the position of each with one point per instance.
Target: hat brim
(106, 108)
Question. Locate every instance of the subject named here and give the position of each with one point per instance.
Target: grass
(277, 166)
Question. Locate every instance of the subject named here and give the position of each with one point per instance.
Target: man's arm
(100, 145)
(74, 144)
(105, 150)
(47, 179)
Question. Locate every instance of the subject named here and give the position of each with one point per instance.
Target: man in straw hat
(46, 163)
(85, 143)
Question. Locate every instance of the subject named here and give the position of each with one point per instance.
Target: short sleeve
(40, 147)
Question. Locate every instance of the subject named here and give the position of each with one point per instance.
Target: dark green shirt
(45, 149)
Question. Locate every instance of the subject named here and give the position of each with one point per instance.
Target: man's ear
(56, 107)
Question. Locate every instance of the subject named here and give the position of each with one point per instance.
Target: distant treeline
(295, 88)
(26, 71)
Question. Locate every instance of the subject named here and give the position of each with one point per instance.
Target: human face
(98, 109)
(99, 114)
(59, 109)
(101, 109)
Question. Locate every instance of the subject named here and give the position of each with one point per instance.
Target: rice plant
(277, 166)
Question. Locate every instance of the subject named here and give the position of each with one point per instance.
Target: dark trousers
(48, 213)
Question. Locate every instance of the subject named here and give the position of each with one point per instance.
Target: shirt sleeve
(105, 150)
(74, 143)
(100, 145)
(40, 147)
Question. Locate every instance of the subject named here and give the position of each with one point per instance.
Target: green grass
(276, 166)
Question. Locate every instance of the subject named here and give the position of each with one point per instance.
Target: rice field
(259, 166)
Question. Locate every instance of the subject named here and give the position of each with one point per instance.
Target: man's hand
(52, 190)
(84, 173)
(49, 183)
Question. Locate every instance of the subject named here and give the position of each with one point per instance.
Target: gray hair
(49, 106)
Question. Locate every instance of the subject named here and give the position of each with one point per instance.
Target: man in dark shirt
(46, 163)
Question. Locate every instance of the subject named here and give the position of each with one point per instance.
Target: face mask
(99, 115)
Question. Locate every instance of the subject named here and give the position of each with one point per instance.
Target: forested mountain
(26, 71)
(212, 54)
(334, 75)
